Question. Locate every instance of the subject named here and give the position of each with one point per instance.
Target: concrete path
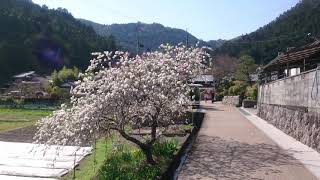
(230, 147)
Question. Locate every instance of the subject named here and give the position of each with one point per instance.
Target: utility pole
(187, 38)
(138, 40)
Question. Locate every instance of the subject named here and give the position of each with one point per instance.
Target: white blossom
(118, 91)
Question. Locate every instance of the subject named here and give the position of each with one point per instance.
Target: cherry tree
(118, 91)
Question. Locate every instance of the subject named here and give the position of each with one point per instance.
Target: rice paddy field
(11, 119)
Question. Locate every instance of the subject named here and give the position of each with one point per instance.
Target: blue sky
(206, 19)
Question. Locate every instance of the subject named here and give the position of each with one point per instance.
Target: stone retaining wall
(292, 104)
(231, 100)
(294, 121)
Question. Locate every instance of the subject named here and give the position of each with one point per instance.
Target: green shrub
(225, 92)
(64, 75)
(237, 89)
(6, 100)
(219, 96)
(11, 102)
(18, 103)
(252, 92)
(59, 93)
(128, 162)
(222, 88)
(165, 149)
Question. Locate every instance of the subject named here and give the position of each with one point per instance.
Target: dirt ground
(19, 135)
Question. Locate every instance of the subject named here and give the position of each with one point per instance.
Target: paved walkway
(230, 147)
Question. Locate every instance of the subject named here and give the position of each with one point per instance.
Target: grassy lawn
(11, 119)
(22, 114)
(11, 125)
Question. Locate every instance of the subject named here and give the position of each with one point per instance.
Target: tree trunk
(146, 148)
(147, 151)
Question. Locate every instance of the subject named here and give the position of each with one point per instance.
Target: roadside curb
(304, 154)
(179, 160)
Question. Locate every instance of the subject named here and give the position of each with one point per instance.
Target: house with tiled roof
(293, 62)
(289, 93)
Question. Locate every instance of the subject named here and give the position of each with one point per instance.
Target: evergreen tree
(41, 39)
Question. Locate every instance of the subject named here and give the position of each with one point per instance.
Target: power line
(279, 38)
(117, 12)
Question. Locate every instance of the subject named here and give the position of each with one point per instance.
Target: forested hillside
(42, 39)
(37, 38)
(150, 36)
(291, 29)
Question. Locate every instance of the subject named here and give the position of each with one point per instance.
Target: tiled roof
(203, 78)
(22, 75)
(296, 54)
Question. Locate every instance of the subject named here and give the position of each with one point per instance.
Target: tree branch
(132, 139)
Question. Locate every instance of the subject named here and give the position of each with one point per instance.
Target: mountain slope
(150, 36)
(37, 38)
(290, 29)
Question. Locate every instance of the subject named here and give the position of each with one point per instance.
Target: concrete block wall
(292, 91)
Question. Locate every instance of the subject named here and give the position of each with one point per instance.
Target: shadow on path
(216, 158)
(210, 108)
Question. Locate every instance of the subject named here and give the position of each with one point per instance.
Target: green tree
(252, 92)
(28, 32)
(59, 77)
(290, 29)
(244, 68)
(55, 78)
(238, 88)
(64, 75)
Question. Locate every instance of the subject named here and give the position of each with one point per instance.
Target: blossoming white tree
(117, 91)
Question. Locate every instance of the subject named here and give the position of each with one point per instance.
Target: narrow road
(230, 147)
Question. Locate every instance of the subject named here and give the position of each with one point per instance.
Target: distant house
(26, 76)
(207, 81)
(30, 76)
(28, 85)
